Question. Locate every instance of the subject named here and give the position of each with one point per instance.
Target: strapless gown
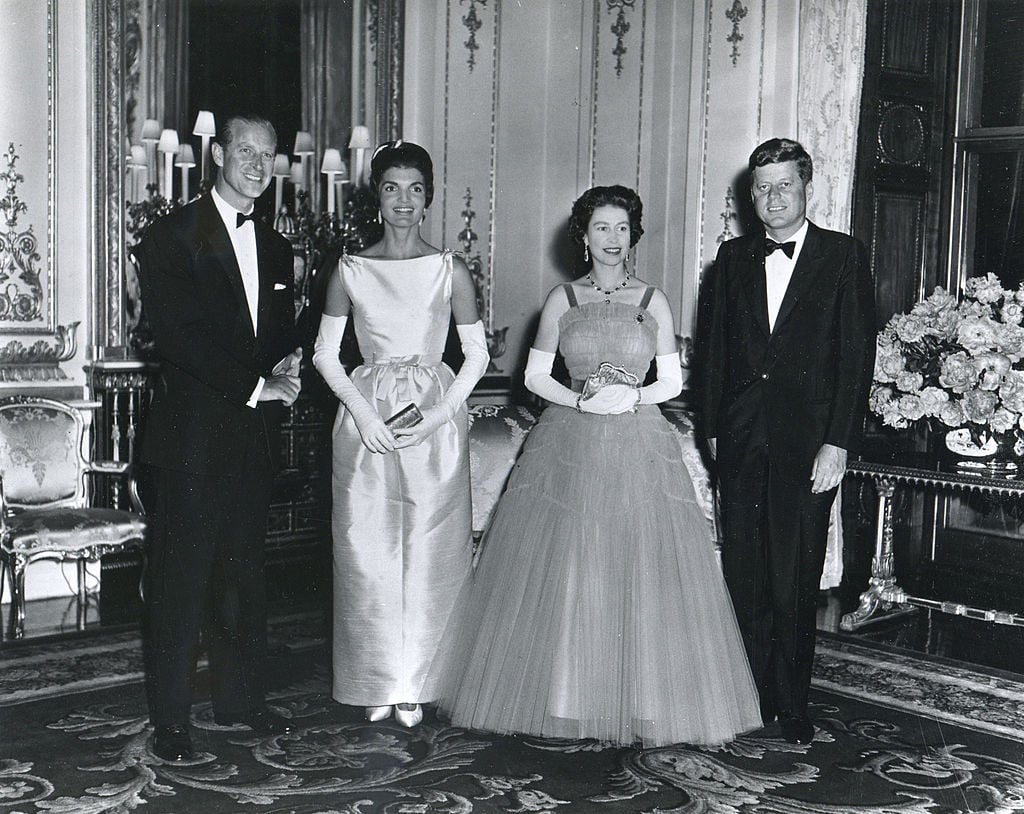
(598, 608)
(402, 522)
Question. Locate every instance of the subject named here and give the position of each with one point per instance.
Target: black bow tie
(770, 246)
(243, 218)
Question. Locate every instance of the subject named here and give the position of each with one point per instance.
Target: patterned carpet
(895, 733)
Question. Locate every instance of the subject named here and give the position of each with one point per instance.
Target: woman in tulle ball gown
(401, 516)
(597, 608)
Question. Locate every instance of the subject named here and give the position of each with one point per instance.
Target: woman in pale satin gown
(598, 609)
(401, 515)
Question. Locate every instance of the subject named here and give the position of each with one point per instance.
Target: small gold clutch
(607, 374)
(406, 417)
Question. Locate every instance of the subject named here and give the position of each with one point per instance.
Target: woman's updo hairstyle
(620, 196)
(401, 154)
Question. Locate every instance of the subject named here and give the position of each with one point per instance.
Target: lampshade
(205, 124)
(332, 162)
(282, 168)
(360, 138)
(138, 156)
(303, 143)
(168, 141)
(151, 130)
(185, 156)
(295, 176)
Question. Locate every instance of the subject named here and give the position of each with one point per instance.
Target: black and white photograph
(511, 406)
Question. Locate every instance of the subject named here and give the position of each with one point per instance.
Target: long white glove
(375, 435)
(615, 398)
(538, 379)
(473, 341)
(669, 383)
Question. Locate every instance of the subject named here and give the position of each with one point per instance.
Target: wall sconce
(282, 170)
(331, 166)
(186, 159)
(206, 128)
(358, 145)
(168, 145)
(303, 149)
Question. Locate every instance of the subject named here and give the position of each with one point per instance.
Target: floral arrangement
(952, 364)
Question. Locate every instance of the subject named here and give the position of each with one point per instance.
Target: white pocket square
(279, 286)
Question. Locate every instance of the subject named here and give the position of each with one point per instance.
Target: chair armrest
(108, 467)
(126, 471)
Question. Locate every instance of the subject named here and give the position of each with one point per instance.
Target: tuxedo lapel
(215, 244)
(265, 306)
(803, 274)
(753, 283)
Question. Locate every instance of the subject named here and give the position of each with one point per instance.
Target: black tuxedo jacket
(802, 385)
(210, 356)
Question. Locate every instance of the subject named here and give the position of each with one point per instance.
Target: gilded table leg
(882, 585)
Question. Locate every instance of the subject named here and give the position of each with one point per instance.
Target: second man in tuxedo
(218, 291)
(786, 344)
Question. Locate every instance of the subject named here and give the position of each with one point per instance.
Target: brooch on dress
(639, 316)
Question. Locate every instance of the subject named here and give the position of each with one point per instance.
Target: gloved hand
(612, 399)
(375, 435)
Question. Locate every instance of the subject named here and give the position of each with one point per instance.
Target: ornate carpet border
(943, 691)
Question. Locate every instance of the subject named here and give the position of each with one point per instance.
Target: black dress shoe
(172, 743)
(797, 730)
(262, 720)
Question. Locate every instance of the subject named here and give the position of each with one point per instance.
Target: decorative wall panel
(904, 47)
(524, 106)
(901, 215)
(469, 150)
(28, 52)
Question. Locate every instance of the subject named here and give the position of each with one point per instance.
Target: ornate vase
(988, 454)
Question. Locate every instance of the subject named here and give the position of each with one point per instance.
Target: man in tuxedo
(787, 338)
(218, 292)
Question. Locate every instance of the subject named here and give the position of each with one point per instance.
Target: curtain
(326, 37)
(164, 93)
(828, 102)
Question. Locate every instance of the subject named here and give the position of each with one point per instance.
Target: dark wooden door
(904, 154)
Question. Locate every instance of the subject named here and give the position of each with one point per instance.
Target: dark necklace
(608, 293)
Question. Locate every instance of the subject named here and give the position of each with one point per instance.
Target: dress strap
(646, 299)
(570, 294)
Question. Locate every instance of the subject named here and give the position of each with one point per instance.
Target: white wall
(29, 30)
(541, 109)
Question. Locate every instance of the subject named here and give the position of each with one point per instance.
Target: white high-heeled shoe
(378, 713)
(408, 717)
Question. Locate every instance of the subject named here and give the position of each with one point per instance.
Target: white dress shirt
(243, 241)
(777, 270)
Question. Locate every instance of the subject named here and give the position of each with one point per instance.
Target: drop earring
(379, 218)
(586, 253)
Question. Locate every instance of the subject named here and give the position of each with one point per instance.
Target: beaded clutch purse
(407, 417)
(606, 374)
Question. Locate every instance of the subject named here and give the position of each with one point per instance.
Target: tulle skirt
(597, 608)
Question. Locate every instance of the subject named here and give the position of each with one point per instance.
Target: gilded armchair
(45, 511)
